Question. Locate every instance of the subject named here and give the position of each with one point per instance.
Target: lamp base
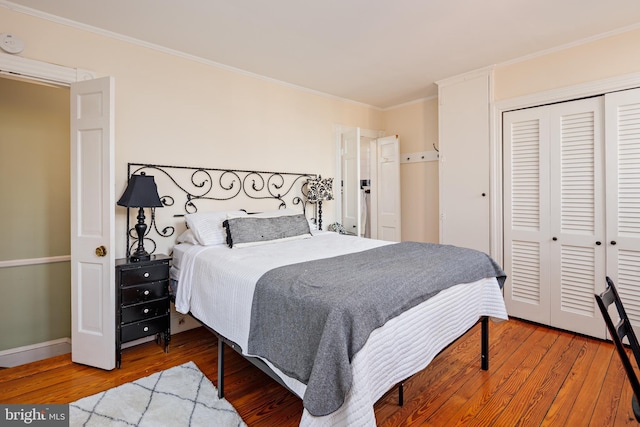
(137, 257)
(141, 228)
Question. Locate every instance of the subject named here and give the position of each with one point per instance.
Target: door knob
(598, 243)
(554, 238)
(101, 251)
(613, 242)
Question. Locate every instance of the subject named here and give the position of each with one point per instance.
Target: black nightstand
(142, 301)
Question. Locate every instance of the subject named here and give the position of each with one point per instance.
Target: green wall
(35, 212)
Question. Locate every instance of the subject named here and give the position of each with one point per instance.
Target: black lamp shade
(141, 192)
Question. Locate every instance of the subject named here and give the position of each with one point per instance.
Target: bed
(222, 283)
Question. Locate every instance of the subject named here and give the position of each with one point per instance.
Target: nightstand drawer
(144, 274)
(142, 301)
(146, 292)
(145, 328)
(144, 310)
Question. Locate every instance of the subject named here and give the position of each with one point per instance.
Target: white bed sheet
(219, 281)
(216, 284)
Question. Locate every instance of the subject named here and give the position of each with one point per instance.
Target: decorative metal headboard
(185, 190)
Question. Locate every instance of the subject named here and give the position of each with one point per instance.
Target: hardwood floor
(537, 377)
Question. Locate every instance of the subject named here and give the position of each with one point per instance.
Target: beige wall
(168, 108)
(417, 126)
(609, 57)
(34, 194)
(417, 123)
(171, 110)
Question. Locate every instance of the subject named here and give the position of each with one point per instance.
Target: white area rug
(180, 396)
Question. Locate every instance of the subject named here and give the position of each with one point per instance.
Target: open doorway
(91, 113)
(35, 322)
(368, 178)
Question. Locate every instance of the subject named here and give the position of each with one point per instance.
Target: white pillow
(187, 237)
(207, 226)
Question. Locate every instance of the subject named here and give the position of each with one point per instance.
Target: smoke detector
(10, 43)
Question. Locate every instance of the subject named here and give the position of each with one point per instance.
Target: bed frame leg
(401, 394)
(485, 343)
(220, 368)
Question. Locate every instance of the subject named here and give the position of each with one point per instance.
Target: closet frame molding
(568, 93)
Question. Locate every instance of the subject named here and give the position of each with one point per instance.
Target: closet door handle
(598, 243)
(554, 239)
(613, 242)
(484, 194)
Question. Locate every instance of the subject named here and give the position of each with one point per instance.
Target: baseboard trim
(34, 352)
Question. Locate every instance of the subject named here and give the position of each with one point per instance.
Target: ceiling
(377, 52)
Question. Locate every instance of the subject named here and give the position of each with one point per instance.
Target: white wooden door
(554, 214)
(350, 159)
(372, 210)
(577, 214)
(387, 189)
(92, 223)
(526, 215)
(463, 117)
(622, 111)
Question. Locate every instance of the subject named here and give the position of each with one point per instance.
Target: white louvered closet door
(623, 197)
(577, 214)
(554, 214)
(526, 207)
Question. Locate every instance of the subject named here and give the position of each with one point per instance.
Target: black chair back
(618, 332)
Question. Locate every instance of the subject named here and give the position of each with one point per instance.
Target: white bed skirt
(407, 344)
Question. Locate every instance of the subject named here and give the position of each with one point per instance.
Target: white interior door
(372, 212)
(387, 189)
(526, 215)
(350, 164)
(464, 168)
(554, 214)
(92, 223)
(622, 111)
(577, 222)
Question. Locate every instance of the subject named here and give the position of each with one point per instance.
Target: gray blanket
(310, 319)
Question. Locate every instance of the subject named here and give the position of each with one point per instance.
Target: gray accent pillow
(249, 231)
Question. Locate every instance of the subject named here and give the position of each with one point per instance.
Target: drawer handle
(146, 292)
(146, 328)
(145, 311)
(146, 274)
